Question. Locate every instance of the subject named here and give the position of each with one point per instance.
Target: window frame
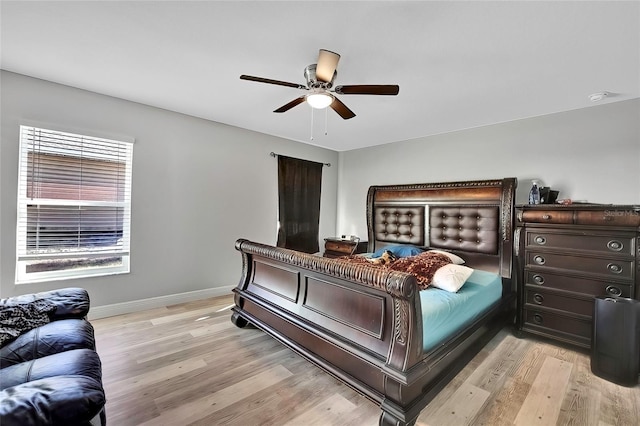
(23, 201)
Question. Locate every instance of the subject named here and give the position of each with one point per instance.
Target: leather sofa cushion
(77, 362)
(51, 338)
(61, 400)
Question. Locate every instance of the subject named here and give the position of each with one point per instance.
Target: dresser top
(580, 214)
(582, 206)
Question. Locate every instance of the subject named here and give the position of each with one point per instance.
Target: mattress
(445, 314)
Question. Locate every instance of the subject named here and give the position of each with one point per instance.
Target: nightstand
(335, 247)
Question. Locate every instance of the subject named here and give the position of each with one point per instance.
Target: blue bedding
(445, 313)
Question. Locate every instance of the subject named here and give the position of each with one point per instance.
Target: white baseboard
(156, 302)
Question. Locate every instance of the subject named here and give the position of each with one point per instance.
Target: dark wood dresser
(336, 247)
(566, 256)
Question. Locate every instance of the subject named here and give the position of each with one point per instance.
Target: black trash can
(615, 344)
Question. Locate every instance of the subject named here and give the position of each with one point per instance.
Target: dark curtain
(299, 183)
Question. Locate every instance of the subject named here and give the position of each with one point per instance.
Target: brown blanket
(421, 266)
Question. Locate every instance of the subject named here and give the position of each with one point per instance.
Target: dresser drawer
(553, 322)
(561, 302)
(609, 244)
(546, 216)
(618, 268)
(592, 287)
(611, 217)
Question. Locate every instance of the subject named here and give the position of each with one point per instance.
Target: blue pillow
(399, 250)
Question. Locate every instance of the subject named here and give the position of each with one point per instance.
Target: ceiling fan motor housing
(312, 80)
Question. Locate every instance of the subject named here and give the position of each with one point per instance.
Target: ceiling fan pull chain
(326, 121)
(311, 123)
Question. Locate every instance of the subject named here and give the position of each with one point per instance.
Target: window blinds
(74, 202)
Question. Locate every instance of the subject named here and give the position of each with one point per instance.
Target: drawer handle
(538, 279)
(537, 318)
(614, 268)
(615, 245)
(539, 260)
(546, 216)
(538, 298)
(612, 290)
(539, 239)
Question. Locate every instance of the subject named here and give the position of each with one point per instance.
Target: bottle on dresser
(534, 193)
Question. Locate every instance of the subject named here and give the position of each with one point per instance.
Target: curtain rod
(273, 154)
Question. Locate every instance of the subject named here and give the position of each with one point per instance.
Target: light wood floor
(188, 365)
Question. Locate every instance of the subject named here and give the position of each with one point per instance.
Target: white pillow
(455, 259)
(451, 277)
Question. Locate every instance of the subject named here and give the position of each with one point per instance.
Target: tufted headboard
(473, 219)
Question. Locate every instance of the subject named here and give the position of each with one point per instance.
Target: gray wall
(197, 187)
(200, 185)
(591, 154)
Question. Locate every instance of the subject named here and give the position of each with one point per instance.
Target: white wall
(197, 187)
(591, 154)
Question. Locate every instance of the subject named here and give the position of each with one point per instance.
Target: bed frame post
(236, 318)
(388, 419)
(406, 344)
(506, 223)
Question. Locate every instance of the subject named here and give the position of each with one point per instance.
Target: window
(74, 205)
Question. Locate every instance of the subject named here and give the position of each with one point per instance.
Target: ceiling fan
(320, 79)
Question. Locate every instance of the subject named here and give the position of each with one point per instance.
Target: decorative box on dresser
(569, 254)
(335, 247)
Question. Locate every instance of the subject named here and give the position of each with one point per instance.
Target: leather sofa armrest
(71, 302)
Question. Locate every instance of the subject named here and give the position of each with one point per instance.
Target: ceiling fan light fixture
(319, 100)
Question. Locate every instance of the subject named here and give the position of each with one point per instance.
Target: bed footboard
(359, 323)
(366, 311)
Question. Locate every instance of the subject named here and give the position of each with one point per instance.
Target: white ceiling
(459, 64)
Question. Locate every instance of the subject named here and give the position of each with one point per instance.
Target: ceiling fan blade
(368, 89)
(287, 107)
(341, 109)
(326, 66)
(270, 81)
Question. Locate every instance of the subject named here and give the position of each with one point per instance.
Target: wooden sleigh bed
(364, 324)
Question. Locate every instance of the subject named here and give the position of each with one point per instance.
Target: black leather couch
(52, 375)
